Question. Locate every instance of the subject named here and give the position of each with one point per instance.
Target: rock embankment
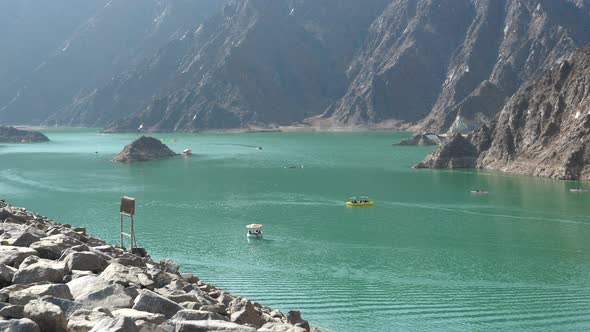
(143, 149)
(56, 277)
(13, 135)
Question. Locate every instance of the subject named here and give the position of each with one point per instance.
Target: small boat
(254, 231)
(187, 152)
(479, 192)
(578, 190)
(359, 201)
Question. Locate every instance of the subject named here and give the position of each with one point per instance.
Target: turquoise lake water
(428, 257)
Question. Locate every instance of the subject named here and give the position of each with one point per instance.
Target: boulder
(154, 303)
(6, 275)
(143, 149)
(9, 311)
(42, 270)
(242, 311)
(280, 327)
(23, 296)
(294, 317)
(85, 261)
(111, 297)
(19, 325)
(84, 320)
(187, 314)
(144, 326)
(67, 306)
(128, 259)
(207, 326)
(118, 324)
(48, 316)
(220, 309)
(137, 315)
(86, 284)
(52, 246)
(25, 239)
(127, 275)
(13, 256)
(170, 266)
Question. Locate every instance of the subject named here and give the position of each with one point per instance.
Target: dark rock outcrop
(143, 149)
(457, 152)
(544, 129)
(13, 135)
(421, 140)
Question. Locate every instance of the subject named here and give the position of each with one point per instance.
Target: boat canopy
(254, 226)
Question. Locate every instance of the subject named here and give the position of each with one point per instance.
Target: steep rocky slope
(259, 62)
(455, 62)
(441, 64)
(70, 48)
(544, 129)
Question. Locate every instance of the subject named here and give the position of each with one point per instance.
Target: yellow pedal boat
(360, 201)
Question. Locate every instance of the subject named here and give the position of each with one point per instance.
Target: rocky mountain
(451, 64)
(56, 52)
(543, 130)
(259, 62)
(434, 65)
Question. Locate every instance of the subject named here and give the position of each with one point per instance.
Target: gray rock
(85, 261)
(84, 320)
(280, 327)
(111, 297)
(12, 311)
(25, 239)
(13, 256)
(67, 306)
(127, 275)
(137, 315)
(214, 308)
(42, 270)
(242, 311)
(52, 246)
(170, 266)
(48, 316)
(144, 326)
(86, 284)
(19, 325)
(294, 317)
(6, 275)
(152, 302)
(128, 259)
(119, 324)
(208, 326)
(23, 296)
(187, 314)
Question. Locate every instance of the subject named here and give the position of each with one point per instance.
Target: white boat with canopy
(254, 231)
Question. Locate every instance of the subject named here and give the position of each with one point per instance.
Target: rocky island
(56, 277)
(13, 135)
(544, 130)
(143, 149)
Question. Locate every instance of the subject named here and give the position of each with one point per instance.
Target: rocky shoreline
(56, 277)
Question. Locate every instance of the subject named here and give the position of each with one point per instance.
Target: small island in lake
(13, 135)
(143, 149)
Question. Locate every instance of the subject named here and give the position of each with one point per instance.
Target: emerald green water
(428, 257)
